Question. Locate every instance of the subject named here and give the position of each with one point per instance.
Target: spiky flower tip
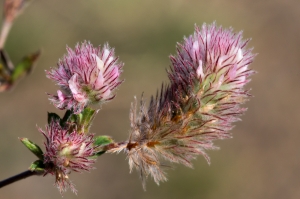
(65, 152)
(199, 106)
(86, 75)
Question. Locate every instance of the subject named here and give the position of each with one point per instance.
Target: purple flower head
(66, 152)
(213, 54)
(199, 106)
(87, 75)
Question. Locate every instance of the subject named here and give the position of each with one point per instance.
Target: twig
(18, 177)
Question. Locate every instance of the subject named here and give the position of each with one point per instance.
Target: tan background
(261, 161)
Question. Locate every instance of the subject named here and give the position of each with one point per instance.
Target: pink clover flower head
(199, 106)
(65, 152)
(86, 75)
(213, 53)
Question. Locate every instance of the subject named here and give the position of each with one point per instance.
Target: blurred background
(261, 161)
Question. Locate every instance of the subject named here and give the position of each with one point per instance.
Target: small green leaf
(37, 165)
(25, 66)
(101, 142)
(34, 148)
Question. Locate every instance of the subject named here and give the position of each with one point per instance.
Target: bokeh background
(261, 161)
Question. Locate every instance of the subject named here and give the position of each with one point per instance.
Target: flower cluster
(65, 152)
(199, 106)
(86, 75)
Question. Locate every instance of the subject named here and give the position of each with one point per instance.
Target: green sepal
(37, 166)
(53, 117)
(34, 148)
(84, 119)
(25, 66)
(99, 153)
(101, 142)
(66, 117)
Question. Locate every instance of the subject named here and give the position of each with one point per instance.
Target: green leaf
(34, 148)
(37, 165)
(101, 142)
(25, 66)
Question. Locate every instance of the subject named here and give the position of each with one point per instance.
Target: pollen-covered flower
(87, 75)
(199, 106)
(65, 152)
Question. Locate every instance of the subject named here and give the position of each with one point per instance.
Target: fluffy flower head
(85, 75)
(199, 106)
(65, 152)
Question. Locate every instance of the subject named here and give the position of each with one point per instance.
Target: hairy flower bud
(199, 106)
(66, 152)
(86, 75)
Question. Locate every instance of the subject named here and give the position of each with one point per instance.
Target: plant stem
(18, 177)
(4, 33)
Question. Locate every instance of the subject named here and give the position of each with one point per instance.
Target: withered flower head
(204, 98)
(65, 152)
(87, 75)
